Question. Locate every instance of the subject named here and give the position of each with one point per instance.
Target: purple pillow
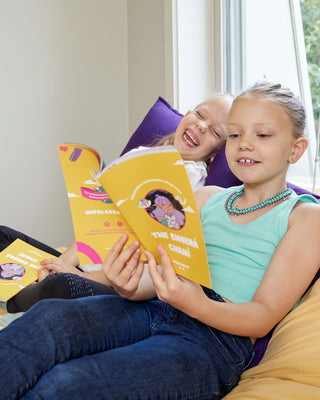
(219, 173)
(161, 120)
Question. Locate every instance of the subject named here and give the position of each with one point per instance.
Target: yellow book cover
(152, 190)
(19, 266)
(97, 221)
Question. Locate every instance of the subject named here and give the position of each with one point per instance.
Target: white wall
(63, 77)
(146, 57)
(86, 71)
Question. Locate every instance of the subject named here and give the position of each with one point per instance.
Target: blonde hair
(282, 96)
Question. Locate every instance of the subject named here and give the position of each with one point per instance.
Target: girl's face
(166, 207)
(260, 140)
(203, 131)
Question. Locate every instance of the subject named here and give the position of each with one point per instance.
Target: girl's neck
(253, 196)
(256, 193)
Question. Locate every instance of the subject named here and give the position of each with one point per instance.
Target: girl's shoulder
(305, 211)
(206, 192)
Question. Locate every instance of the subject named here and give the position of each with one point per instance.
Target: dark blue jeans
(105, 347)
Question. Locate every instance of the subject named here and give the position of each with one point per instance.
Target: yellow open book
(19, 266)
(146, 194)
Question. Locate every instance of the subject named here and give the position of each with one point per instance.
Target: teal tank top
(239, 254)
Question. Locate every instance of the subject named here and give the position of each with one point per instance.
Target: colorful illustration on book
(97, 194)
(11, 272)
(89, 252)
(164, 208)
(99, 189)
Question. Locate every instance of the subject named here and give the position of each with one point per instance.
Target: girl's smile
(247, 162)
(190, 138)
(202, 132)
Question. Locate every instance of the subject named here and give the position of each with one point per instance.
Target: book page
(97, 221)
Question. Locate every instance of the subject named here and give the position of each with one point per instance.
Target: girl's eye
(215, 133)
(263, 135)
(199, 114)
(233, 135)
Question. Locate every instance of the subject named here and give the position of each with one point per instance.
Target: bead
(237, 211)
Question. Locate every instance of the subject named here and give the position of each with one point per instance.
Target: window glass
(265, 41)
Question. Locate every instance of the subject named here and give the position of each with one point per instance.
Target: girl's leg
(56, 286)
(9, 235)
(183, 359)
(54, 331)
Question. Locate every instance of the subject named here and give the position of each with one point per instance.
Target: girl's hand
(180, 292)
(123, 268)
(55, 265)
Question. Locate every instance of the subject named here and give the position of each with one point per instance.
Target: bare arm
(70, 255)
(289, 273)
(67, 263)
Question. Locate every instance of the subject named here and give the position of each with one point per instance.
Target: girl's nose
(246, 144)
(202, 126)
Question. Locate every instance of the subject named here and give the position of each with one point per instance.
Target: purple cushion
(161, 120)
(219, 172)
(300, 190)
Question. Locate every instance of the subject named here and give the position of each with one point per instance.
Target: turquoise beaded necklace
(242, 211)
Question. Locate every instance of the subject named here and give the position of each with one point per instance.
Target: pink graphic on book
(93, 195)
(89, 252)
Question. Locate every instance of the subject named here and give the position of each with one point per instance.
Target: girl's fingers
(157, 278)
(121, 265)
(116, 249)
(168, 270)
(47, 261)
(153, 268)
(131, 266)
(117, 254)
(136, 276)
(42, 274)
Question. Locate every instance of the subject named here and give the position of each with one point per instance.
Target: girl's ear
(298, 149)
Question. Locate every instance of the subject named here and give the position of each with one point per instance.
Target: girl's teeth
(246, 161)
(189, 139)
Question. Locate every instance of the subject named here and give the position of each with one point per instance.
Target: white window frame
(221, 45)
(208, 22)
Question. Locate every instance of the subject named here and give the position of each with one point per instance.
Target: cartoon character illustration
(11, 271)
(165, 212)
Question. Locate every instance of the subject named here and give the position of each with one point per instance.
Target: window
(265, 41)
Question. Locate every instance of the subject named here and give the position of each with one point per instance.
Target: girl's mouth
(190, 139)
(247, 161)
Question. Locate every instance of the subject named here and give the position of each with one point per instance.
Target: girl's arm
(292, 267)
(67, 262)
